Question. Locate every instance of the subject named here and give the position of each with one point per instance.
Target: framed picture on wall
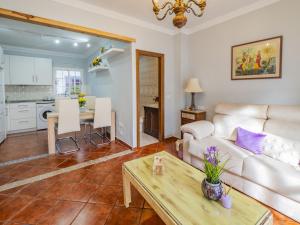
(257, 60)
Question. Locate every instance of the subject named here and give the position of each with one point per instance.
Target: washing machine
(42, 108)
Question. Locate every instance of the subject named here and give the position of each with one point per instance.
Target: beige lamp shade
(193, 86)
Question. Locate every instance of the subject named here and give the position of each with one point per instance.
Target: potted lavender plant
(213, 168)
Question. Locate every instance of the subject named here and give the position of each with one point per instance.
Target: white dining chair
(68, 122)
(102, 119)
(57, 99)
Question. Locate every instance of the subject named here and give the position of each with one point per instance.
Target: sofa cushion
(227, 150)
(284, 113)
(274, 175)
(282, 149)
(244, 110)
(286, 129)
(225, 126)
(284, 121)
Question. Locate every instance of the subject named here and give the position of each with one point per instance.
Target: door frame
(161, 91)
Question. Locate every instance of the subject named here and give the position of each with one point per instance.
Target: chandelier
(179, 7)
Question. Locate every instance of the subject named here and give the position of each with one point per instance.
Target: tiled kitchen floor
(88, 196)
(40, 166)
(31, 144)
(19, 146)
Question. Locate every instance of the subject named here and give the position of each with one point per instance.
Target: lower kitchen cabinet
(21, 117)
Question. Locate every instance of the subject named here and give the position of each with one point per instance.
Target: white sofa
(262, 177)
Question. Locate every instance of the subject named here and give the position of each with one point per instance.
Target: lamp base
(193, 107)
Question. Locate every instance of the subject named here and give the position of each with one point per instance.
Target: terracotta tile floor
(86, 196)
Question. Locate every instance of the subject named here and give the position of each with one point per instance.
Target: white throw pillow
(282, 149)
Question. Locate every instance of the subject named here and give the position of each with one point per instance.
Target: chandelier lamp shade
(179, 8)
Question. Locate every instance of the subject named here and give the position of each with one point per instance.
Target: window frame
(55, 69)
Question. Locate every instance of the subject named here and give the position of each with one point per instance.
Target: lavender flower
(211, 155)
(211, 150)
(213, 167)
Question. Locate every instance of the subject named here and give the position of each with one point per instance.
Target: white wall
(116, 84)
(182, 66)
(210, 57)
(146, 40)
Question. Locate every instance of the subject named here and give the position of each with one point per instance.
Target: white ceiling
(26, 35)
(142, 10)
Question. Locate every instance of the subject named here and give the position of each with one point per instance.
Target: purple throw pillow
(249, 140)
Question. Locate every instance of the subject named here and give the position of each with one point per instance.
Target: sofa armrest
(199, 129)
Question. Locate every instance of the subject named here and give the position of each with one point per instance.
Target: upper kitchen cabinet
(6, 69)
(30, 70)
(21, 70)
(43, 71)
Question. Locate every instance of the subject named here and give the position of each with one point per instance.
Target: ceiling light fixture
(179, 7)
(75, 44)
(57, 41)
(88, 45)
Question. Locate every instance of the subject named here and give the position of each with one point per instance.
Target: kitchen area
(25, 102)
(38, 64)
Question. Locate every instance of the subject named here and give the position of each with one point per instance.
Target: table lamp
(193, 87)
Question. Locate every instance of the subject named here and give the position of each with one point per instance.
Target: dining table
(84, 115)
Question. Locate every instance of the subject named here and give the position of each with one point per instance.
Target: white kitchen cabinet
(43, 71)
(21, 70)
(21, 116)
(30, 70)
(6, 69)
(21, 125)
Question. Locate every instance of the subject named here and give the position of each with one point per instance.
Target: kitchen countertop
(32, 100)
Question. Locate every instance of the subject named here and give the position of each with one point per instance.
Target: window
(68, 81)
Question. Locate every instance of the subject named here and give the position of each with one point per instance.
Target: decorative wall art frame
(257, 60)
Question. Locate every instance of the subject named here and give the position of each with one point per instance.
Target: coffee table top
(178, 192)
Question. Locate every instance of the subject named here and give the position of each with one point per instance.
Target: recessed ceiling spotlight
(88, 45)
(75, 44)
(57, 41)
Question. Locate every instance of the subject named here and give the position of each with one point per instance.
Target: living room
(206, 53)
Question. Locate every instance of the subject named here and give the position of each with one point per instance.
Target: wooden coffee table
(177, 198)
